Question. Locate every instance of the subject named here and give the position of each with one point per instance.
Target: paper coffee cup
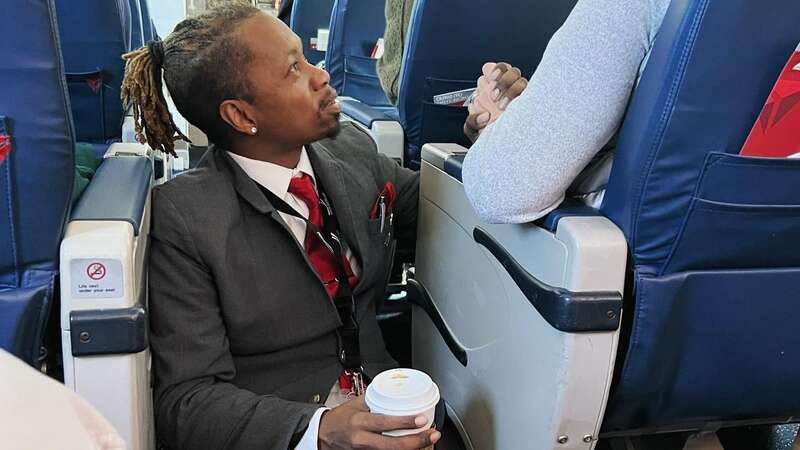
(403, 392)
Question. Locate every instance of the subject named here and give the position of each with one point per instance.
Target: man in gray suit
(245, 336)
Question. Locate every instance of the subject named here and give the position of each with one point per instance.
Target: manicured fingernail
(420, 421)
(504, 102)
(435, 436)
(483, 118)
(495, 94)
(495, 75)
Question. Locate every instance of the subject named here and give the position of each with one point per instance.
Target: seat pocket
(436, 86)
(361, 81)
(87, 100)
(709, 346)
(442, 123)
(745, 214)
(361, 65)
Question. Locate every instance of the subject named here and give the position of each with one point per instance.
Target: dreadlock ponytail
(142, 90)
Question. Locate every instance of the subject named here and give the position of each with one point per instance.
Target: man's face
(293, 101)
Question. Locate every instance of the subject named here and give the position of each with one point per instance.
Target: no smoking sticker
(96, 278)
(96, 271)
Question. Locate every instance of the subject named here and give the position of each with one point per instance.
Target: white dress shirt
(276, 179)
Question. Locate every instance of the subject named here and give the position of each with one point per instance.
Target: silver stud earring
(253, 130)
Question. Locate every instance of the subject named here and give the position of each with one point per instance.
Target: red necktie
(323, 261)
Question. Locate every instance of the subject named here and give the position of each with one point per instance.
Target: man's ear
(239, 114)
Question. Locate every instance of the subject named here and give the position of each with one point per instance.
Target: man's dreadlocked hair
(202, 66)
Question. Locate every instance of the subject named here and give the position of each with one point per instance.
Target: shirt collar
(273, 177)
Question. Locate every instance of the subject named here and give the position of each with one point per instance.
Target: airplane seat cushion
(444, 53)
(355, 27)
(710, 232)
(94, 34)
(36, 174)
(307, 17)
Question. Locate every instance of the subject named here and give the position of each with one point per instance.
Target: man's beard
(335, 130)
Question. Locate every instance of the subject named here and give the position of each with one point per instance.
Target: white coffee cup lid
(402, 392)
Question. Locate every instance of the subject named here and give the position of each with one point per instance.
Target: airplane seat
(103, 285)
(672, 307)
(137, 23)
(94, 34)
(444, 54)
(309, 16)
(36, 169)
(713, 279)
(356, 26)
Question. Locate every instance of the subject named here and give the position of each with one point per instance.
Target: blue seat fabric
(365, 114)
(356, 26)
(36, 177)
(307, 17)
(148, 28)
(444, 54)
(94, 35)
(714, 270)
(137, 24)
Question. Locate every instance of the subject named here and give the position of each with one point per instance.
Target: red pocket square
(387, 197)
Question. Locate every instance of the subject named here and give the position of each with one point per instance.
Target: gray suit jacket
(242, 330)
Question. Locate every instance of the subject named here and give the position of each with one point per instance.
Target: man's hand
(352, 426)
(509, 85)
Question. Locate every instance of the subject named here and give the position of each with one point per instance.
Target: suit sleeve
(197, 406)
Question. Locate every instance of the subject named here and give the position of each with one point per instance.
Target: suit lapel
(251, 193)
(329, 173)
(244, 185)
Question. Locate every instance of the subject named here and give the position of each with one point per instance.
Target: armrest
(569, 208)
(362, 113)
(103, 283)
(563, 309)
(446, 157)
(543, 305)
(118, 191)
(385, 129)
(449, 158)
(127, 149)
